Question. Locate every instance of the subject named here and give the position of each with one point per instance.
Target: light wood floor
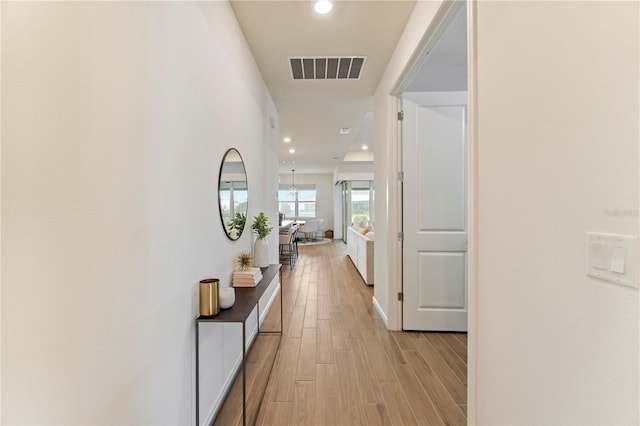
(337, 364)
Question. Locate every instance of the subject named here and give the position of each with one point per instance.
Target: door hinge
(400, 115)
(401, 236)
(400, 297)
(401, 176)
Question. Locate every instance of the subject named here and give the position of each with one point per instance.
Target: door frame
(439, 24)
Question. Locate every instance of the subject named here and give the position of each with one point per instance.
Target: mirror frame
(244, 169)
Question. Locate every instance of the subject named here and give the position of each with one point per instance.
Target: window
(307, 203)
(300, 206)
(233, 197)
(286, 203)
(361, 202)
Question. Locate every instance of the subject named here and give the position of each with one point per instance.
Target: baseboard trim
(267, 308)
(380, 311)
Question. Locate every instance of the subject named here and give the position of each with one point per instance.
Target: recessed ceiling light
(365, 147)
(287, 140)
(345, 130)
(291, 151)
(323, 7)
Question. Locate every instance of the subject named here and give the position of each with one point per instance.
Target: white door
(434, 211)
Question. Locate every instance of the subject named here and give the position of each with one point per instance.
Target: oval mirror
(233, 194)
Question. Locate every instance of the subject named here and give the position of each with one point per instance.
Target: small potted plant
(261, 247)
(236, 225)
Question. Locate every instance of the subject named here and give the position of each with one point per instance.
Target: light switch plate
(613, 258)
(597, 256)
(618, 260)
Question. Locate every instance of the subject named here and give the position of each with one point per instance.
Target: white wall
(324, 193)
(558, 107)
(1, 245)
(386, 164)
(115, 118)
(353, 171)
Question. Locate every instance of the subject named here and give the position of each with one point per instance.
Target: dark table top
(246, 299)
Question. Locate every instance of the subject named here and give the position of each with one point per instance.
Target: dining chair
(309, 229)
(288, 249)
(320, 231)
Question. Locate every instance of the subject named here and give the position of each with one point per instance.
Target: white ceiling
(312, 112)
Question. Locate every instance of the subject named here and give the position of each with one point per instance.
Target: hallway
(338, 364)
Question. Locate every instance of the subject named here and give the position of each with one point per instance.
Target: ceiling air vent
(327, 68)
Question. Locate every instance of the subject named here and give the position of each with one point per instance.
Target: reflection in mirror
(233, 194)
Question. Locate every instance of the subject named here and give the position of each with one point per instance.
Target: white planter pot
(261, 253)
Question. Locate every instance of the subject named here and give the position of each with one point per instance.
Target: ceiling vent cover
(327, 67)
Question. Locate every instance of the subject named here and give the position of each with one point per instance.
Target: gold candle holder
(209, 297)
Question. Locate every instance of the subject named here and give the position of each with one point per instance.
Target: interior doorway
(345, 212)
(358, 200)
(434, 190)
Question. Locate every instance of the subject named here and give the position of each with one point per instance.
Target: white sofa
(360, 250)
